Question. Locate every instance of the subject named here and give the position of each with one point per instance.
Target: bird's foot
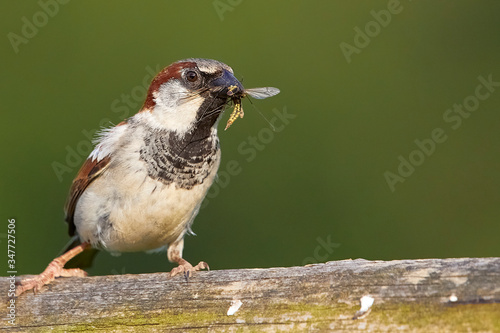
(187, 269)
(53, 270)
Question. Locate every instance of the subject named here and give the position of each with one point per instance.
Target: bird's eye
(191, 76)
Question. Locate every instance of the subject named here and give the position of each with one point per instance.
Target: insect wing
(261, 93)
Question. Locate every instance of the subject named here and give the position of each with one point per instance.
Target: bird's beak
(227, 86)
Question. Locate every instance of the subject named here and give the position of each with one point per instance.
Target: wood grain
(428, 295)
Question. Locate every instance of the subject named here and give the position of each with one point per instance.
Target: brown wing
(89, 171)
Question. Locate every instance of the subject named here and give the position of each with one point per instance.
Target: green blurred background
(316, 190)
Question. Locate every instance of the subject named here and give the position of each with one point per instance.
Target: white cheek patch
(176, 107)
(169, 94)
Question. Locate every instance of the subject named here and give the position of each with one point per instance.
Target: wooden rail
(428, 295)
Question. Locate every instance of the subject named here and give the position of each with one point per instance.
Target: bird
(142, 186)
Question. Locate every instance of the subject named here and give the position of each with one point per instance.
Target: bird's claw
(52, 271)
(187, 269)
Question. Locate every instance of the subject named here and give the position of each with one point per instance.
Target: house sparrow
(142, 186)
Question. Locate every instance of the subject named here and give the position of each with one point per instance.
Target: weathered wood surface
(430, 295)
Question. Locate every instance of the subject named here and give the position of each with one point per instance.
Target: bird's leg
(175, 255)
(53, 270)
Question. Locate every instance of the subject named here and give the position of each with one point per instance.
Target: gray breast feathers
(181, 161)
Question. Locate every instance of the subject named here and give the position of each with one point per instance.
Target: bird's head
(190, 94)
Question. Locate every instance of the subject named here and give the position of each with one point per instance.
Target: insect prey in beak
(258, 93)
